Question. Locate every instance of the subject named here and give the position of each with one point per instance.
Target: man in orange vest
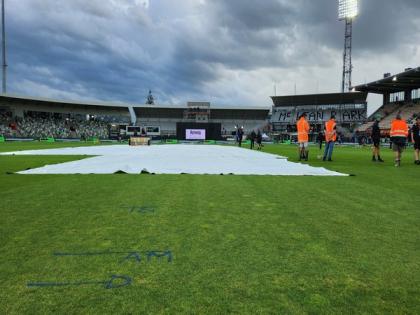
(303, 137)
(398, 134)
(330, 131)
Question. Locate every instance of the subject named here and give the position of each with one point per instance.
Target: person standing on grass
(237, 134)
(376, 139)
(415, 138)
(330, 131)
(320, 139)
(252, 137)
(399, 133)
(303, 137)
(240, 135)
(259, 140)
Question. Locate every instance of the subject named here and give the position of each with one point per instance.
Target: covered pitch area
(173, 159)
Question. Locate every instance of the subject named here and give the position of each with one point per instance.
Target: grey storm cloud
(228, 52)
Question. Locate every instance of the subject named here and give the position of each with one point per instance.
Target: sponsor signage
(195, 134)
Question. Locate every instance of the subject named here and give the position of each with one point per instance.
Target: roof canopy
(116, 105)
(405, 81)
(320, 99)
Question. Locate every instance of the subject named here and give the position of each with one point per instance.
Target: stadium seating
(5, 125)
(113, 119)
(407, 112)
(43, 125)
(388, 112)
(365, 127)
(29, 127)
(382, 113)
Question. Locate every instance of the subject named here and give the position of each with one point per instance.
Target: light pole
(3, 33)
(347, 11)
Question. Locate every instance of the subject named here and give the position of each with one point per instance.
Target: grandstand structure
(27, 117)
(350, 110)
(400, 93)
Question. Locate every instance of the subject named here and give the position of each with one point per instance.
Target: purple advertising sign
(195, 134)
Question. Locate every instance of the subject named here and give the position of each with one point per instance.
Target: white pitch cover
(173, 159)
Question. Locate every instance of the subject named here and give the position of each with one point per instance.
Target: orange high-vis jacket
(303, 130)
(399, 128)
(330, 132)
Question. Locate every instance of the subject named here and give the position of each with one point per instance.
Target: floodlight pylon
(347, 11)
(3, 25)
(347, 62)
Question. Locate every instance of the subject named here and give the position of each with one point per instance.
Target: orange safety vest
(303, 130)
(330, 132)
(399, 128)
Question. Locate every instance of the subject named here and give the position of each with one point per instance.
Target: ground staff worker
(303, 137)
(320, 139)
(376, 139)
(252, 137)
(415, 138)
(399, 133)
(330, 138)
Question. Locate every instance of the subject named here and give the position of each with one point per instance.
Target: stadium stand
(350, 110)
(400, 94)
(6, 124)
(38, 127)
(365, 127)
(408, 112)
(388, 110)
(23, 117)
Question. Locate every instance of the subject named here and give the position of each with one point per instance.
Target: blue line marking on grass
(159, 255)
(112, 283)
(47, 284)
(134, 255)
(59, 254)
(62, 284)
(130, 255)
(140, 209)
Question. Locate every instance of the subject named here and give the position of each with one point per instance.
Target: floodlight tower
(347, 11)
(3, 33)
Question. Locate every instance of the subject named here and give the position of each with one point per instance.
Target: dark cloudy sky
(224, 51)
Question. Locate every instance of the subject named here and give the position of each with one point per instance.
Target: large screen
(192, 131)
(195, 134)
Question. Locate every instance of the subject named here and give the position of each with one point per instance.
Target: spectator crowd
(44, 127)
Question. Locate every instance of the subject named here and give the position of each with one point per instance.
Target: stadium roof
(320, 99)
(122, 105)
(408, 80)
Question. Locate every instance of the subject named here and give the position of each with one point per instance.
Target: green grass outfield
(239, 244)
